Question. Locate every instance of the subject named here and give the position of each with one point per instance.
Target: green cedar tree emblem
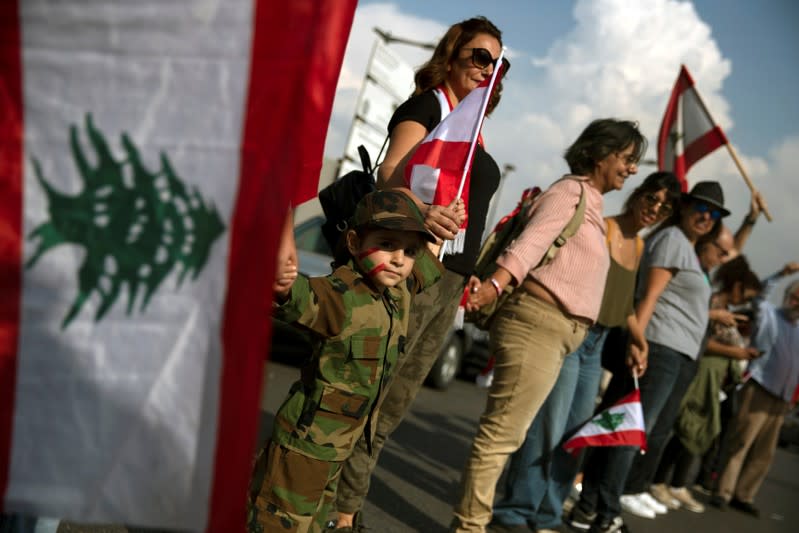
(136, 226)
(609, 421)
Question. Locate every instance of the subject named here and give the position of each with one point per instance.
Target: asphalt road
(416, 481)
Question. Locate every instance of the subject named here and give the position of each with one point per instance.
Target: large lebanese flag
(148, 153)
(687, 133)
(438, 172)
(621, 424)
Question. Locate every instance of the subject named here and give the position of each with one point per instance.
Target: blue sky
(585, 59)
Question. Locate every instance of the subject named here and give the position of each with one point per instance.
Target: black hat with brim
(708, 192)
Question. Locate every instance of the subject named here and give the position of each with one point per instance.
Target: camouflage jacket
(360, 333)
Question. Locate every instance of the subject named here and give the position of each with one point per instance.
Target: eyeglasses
(701, 207)
(663, 207)
(481, 58)
(629, 160)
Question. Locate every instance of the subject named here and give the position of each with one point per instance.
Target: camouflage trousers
(290, 492)
(431, 316)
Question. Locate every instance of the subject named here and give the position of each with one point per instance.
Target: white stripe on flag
(633, 420)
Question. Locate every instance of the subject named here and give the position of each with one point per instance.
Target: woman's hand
(444, 221)
(637, 358)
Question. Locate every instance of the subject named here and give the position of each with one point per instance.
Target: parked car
(465, 349)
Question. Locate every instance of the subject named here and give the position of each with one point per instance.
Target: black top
(484, 181)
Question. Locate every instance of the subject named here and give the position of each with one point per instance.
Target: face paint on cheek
(368, 265)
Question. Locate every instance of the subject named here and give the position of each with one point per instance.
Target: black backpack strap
(366, 161)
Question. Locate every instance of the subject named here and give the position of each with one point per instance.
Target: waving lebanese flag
(621, 424)
(438, 171)
(149, 151)
(688, 132)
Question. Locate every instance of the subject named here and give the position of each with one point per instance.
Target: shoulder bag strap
(570, 229)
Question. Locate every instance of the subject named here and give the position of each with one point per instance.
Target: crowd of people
(645, 308)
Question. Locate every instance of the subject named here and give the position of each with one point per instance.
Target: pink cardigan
(576, 277)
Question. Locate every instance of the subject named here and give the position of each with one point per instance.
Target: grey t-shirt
(681, 312)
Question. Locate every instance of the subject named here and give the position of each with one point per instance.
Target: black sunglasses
(481, 58)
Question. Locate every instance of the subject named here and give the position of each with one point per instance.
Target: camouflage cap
(390, 210)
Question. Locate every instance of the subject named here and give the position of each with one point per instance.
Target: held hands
(480, 294)
(285, 277)
(445, 221)
(747, 354)
(727, 318)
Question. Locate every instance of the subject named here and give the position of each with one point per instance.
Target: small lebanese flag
(621, 424)
(438, 171)
(687, 133)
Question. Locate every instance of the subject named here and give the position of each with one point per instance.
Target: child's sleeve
(315, 304)
(426, 271)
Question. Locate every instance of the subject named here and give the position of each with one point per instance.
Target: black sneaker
(745, 507)
(718, 502)
(579, 520)
(609, 525)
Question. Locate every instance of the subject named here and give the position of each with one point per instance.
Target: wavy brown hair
(434, 72)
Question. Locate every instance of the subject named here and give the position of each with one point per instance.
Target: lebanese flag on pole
(149, 151)
(687, 133)
(438, 172)
(621, 424)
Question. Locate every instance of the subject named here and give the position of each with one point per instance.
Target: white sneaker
(633, 505)
(652, 503)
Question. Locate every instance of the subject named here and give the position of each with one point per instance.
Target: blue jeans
(540, 473)
(607, 469)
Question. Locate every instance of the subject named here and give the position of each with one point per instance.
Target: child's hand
(285, 277)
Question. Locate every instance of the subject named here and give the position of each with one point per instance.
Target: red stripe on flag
(292, 82)
(632, 437)
(11, 168)
(702, 146)
(684, 81)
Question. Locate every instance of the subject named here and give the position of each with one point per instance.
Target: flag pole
(735, 158)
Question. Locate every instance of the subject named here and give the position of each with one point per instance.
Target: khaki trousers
(530, 339)
(753, 441)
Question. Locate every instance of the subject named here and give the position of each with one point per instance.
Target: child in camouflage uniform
(359, 316)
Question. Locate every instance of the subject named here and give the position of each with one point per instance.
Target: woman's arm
(638, 347)
(656, 283)
(405, 138)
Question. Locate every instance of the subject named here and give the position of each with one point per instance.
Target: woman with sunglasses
(540, 473)
(673, 298)
(465, 56)
(551, 308)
